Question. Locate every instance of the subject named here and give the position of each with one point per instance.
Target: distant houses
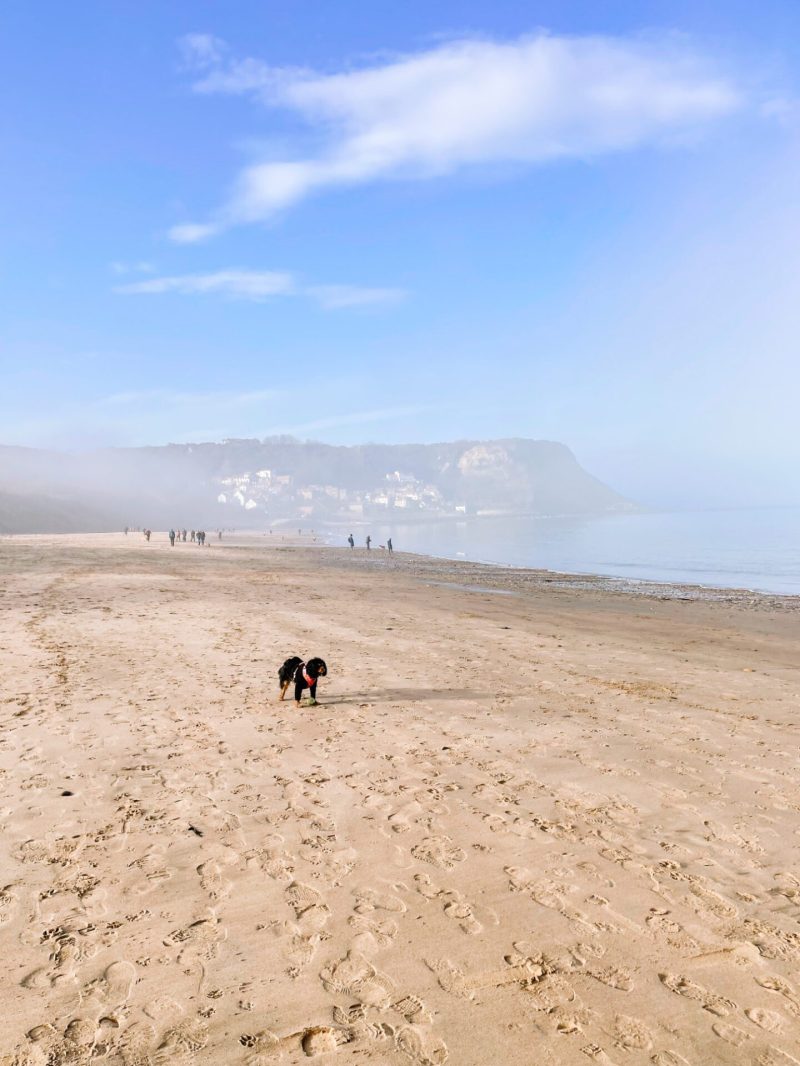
(278, 493)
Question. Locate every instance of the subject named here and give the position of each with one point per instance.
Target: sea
(747, 548)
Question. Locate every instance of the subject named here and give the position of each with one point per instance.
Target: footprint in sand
(775, 1057)
(552, 992)
(413, 1010)
(76, 1045)
(355, 976)
(777, 984)
(682, 986)
(369, 899)
(668, 1058)
(310, 909)
(421, 1047)
(136, 1044)
(263, 1047)
(632, 1034)
(381, 933)
(458, 983)
(65, 956)
(152, 872)
(211, 880)
(614, 977)
(594, 1051)
(765, 1019)
(201, 938)
(322, 1039)
(730, 1033)
(439, 851)
(455, 906)
(161, 1008)
(8, 903)
(187, 1036)
(112, 990)
(425, 886)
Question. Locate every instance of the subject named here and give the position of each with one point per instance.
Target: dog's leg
(284, 688)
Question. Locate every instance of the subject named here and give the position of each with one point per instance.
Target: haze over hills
(255, 482)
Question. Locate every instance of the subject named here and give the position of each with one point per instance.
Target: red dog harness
(309, 680)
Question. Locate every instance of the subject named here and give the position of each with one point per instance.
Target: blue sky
(414, 221)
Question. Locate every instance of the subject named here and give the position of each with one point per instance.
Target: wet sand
(553, 826)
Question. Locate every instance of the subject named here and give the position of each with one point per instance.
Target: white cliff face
(484, 458)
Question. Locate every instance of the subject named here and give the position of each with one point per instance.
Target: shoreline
(514, 579)
(489, 571)
(495, 576)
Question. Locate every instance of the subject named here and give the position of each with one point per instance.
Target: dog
(305, 676)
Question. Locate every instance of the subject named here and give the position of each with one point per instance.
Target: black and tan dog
(305, 676)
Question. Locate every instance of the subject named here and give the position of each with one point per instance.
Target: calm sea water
(756, 548)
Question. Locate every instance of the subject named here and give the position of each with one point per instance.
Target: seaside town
(263, 490)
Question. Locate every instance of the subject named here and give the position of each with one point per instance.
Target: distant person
(350, 541)
(172, 538)
(219, 534)
(369, 541)
(193, 536)
(126, 531)
(389, 545)
(183, 536)
(147, 533)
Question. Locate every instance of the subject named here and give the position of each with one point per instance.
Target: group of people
(388, 545)
(196, 536)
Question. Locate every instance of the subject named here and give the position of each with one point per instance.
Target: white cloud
(468, 102)
(334, 297)
(201, 50)
(192, 232)
(248, 284)
(262, 285)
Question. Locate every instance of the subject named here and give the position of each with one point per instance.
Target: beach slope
(529, 821)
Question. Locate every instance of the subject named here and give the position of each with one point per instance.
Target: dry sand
(548, 827)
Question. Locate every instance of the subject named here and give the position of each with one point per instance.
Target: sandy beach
(533, 820)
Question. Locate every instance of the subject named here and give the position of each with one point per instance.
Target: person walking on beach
(369, 541)
(147, 535)
(172, 538)
(350, 541)
(389, 545)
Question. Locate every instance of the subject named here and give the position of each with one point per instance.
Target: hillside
(253, 483)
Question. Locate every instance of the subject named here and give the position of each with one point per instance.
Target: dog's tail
(286, 672)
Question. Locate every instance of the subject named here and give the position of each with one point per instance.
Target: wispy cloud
(152, 398)
(263, 285)
(201, 50)
(247, 284)
(354, 418)
(466, 102)
(334, 297)
(141, 267)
